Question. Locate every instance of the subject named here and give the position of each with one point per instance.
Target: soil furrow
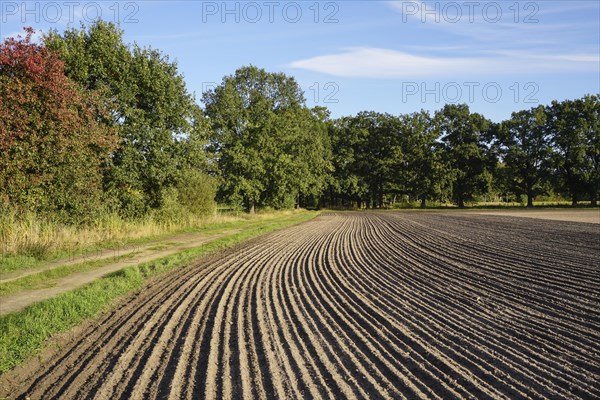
(390, 305)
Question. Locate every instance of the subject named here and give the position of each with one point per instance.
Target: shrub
(196, 192)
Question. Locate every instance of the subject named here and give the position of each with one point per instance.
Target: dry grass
(29, 234)
(24, 332)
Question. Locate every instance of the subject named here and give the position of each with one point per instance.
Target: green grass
(29, 244)
(162, 246)
(16, 262)
(49, 278)
(24, 333)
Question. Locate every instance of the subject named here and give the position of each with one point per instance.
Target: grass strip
(35, 256)
(24, 333)
(49, 278)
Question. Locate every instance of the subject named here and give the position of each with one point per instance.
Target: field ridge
(356, 305)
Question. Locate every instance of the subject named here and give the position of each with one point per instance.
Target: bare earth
(352, 305)
(589, 216)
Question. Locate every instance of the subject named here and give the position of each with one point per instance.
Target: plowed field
(355, 305)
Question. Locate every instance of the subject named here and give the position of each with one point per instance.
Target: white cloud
(368, 62)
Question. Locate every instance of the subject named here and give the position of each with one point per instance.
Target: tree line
(90, 123)
(460, 156)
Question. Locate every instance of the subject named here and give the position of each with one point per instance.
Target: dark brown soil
(352, 305)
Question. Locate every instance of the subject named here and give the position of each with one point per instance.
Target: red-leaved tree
(51, 147)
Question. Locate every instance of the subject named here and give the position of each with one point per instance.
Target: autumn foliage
(52, 148)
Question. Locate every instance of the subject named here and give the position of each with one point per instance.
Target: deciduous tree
(270, 148)
(526, 150)
(52, 147)
(427, 174)
(157, 119)
(463, 136)
(574, 126)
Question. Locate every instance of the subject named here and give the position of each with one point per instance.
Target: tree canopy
(270, 148)
(463, 135)
(52, 147)
(527, 152)
(574, 126)
(158, 121)
(89, 122)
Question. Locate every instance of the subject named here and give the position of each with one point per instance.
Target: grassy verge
(30, 242)
(49, 277)
(24, 333)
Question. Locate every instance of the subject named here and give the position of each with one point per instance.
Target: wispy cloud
(366, 62)
(501, 23)
(471, 45)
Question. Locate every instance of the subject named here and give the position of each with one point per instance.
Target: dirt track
(354, 305)
(138, 254)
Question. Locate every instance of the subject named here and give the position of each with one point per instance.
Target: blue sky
(388, 56)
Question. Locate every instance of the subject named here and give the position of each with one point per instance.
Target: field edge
(25, 333)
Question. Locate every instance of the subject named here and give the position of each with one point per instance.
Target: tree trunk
(594, 202)
(423, 202)
(529, 200)
(574, 200)
(461, 201)
(250, 207)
